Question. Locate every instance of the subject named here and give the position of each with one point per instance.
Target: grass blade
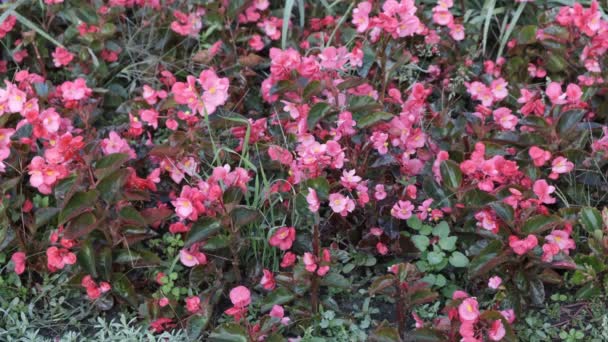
(286, 17)
(486, 24)
(505, 38)
(26, 22)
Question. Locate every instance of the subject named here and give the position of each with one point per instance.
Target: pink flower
(215, 90)
(283, 238)
(277, 311)
(560, 165)
(442, 16)
(192, 257)
(562, 240)
(543, 191)
(494, 282)
(256, 43)
(539, 156)
(183, 207)
(268, 282)
(62, 57)
(193, 304)
(186, 25)
(334, 59)
(521, 247)
(379, 193)
(554, 93)
(504, 118)
(468, 310)
(497, 331)
(288, 260)
(457, 32)
(313, 200)
(499, 89)
(573, 93)
(341, 204)
(163, 302)
(381, 248)
(18, 260)
(240, 296)
(57, 258)
(349, 179)
(402, 210)
(509, 315)
(361, 16)
(115, 144)
(75, 91)
(150, 116)
(549, 251)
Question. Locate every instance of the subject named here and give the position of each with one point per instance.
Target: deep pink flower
(539, 156)
(57, 258)
(18, 260)
(312, 200)
(283, 238)
(62, 57)
(543, 191)
(497, 331)
(193, 304)
(240, 296)
(522, 246)
(267, 281)
(402, 210)
(288, 260)
(468, 310)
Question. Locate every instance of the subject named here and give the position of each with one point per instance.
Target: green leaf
(540, 223)
(381, 283)
(591, 219)
(448, 243)
(451, 174)
(427, 335)
(423, 295)
(132, 216)
(414, 222)
(44, 215)
(335, 280)
(373, 118)
(316, 113)
(311, 89)
(242, 216)
(386, 334)
(279, 296)
(527, 34)
(568, 120)
(229, 332)
(122, 287)
(216, 242)
(113, 184)
(320, 185)
(195, 325)
(421, 242)
(286, 20)
(86, 258)
(81, 226)
(105, 262)
(442, 229)
(80, 202)
(457, 259)
(109, 164)
(435, 257)
(504, 211)
(487, 259)
(202, 229)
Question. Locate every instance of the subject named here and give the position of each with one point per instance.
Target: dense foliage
(315, 170)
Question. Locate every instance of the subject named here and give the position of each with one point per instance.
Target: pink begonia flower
(554, 93)
(57, 258)
(18, 260)
(539, 156)
(75, 91)
(497, 331)
(283, 238)
(494, 282)
(334, 58)
(312, 200)
(376, 231)
(509, 315)
(149, 116)
(543, 191)
(499, 89)
(468, 310)
(522, 246)
(277, 311)
(419, 322)
(442, 16)
(186, 25)
(379, 193)
(559, 166)
(192, 257)
(349, 179)
(256, 42)
(215, 90)
(457, 31)
(193, 304)
(62, 57)
(504, 117)
(288, 260)
(240, 297)
(310, 262)
(115, 144)
(163, 302)
(562, 240)
(267, 281)
(361, 16)
(402, 210)
(341, 204)
(381, 248)
(380, 142)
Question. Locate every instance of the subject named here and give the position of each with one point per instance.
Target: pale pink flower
(494, 282)
(469, 310)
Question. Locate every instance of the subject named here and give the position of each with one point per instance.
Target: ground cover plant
(303, 170)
